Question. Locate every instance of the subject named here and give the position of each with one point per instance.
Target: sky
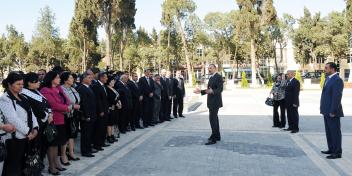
(24, 14)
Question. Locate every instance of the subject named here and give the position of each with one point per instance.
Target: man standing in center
(292, 101)
(146, 84)
(214, 102)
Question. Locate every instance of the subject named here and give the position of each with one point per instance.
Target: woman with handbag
(17, 111)
(60, 105)
(41, 110)
(71, 118)
(278, 92)
(114, 105)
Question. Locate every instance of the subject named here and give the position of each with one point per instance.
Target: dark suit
(102, 107)
(214, 103)
(147, 103)
(179, 92)
(330, 103)
(127, 106)
(137, 106)
(164, 99)
(170, 91)
(292, 98)
(88, 117)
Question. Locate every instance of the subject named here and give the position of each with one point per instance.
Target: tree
(249, 24)
(83, 30)
(179, 10)
(322, 80)
(15, 48)
(46, 37)
(349, 29)
(244, 81)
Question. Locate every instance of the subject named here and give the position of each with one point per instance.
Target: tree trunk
(275, 58)
(108, 55)
(168, 48)
(253, 63)
(84, 57)
(185, 48)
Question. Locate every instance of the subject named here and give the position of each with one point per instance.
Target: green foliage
(299, 78)
(244, 81)
(194, 79)
(270, 80)
(322, 80)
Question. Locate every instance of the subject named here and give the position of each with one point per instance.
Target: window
(199, 52)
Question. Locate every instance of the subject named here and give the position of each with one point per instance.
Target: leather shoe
(98, 148)
(105, 145)
(294, 131)
(334, 156)
(94, 151)
(326, 152)
(211, 142)
(182, 116)
(89, 155)
(287, 129)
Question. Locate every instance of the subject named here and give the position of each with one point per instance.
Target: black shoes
(98, 148)
(54, 173)
(211, 142)
(88, 155)
(105, 145)
(65, 164)
(287, 129)
(326, 152)
(61, 169)
(182, 116)
(70, 158)
(334, 156)
(294, 131)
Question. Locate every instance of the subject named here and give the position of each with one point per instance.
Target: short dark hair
(58, 69)
(332, 65)
(30, 77)
(110, 78)
(102, 74)
(95, 70)
(147, 69)
(11, 78)
(212, 65)
(64, 77)
(49, 77)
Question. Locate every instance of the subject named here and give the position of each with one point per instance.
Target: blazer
(331, 96)
(158, 91)
(179, 87)
(135, 91)
(58, 102)
(101, 97)
(16, 115)
(165, 91)
(292, 92)
(88, 103)
(214, 101)
(125, 95)
(146, 89)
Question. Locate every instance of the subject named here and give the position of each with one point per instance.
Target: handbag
(32, 164)
(73, 127)
(50, 132)
(269, 101)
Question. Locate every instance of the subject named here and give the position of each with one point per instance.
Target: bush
(322, 80)
(194, 79)
(270, 80)
(244, 81)
(299, 78)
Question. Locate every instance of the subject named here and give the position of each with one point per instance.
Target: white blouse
(16, 117)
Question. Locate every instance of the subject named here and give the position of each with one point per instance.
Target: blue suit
(330, 103)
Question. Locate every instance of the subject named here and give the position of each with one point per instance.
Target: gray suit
(214, 102)
(157, 102)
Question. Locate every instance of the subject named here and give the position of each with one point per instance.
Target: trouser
(214, 123)
(147, 111)
(156, 111)
(126, 119)
(168, 108)
(87, 128)
(292, 117)
(333, 134)
(100, 130)
(279, 121)
(136, 113)
(178, 105)
(14, 161)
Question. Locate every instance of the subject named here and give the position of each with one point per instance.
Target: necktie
(148, 81)
(326, 81)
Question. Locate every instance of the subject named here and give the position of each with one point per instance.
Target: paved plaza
(249, 146)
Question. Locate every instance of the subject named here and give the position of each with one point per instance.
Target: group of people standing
(43, 113)
(285, 93)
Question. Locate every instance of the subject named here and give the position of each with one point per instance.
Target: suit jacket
(146, 89)
(292, 92)
(214, 100)
(170, 86)
(165, 91)
(135, 91)
(158, 91)
(125, 95)
(101, 98)
(179, 87)
(331, 96)
(88, 102)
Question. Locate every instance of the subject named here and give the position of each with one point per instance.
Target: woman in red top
(60, 105)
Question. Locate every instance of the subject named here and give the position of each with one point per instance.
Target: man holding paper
(214, 102)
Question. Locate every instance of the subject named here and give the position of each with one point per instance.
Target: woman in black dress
(114, 105)
(40, 108)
